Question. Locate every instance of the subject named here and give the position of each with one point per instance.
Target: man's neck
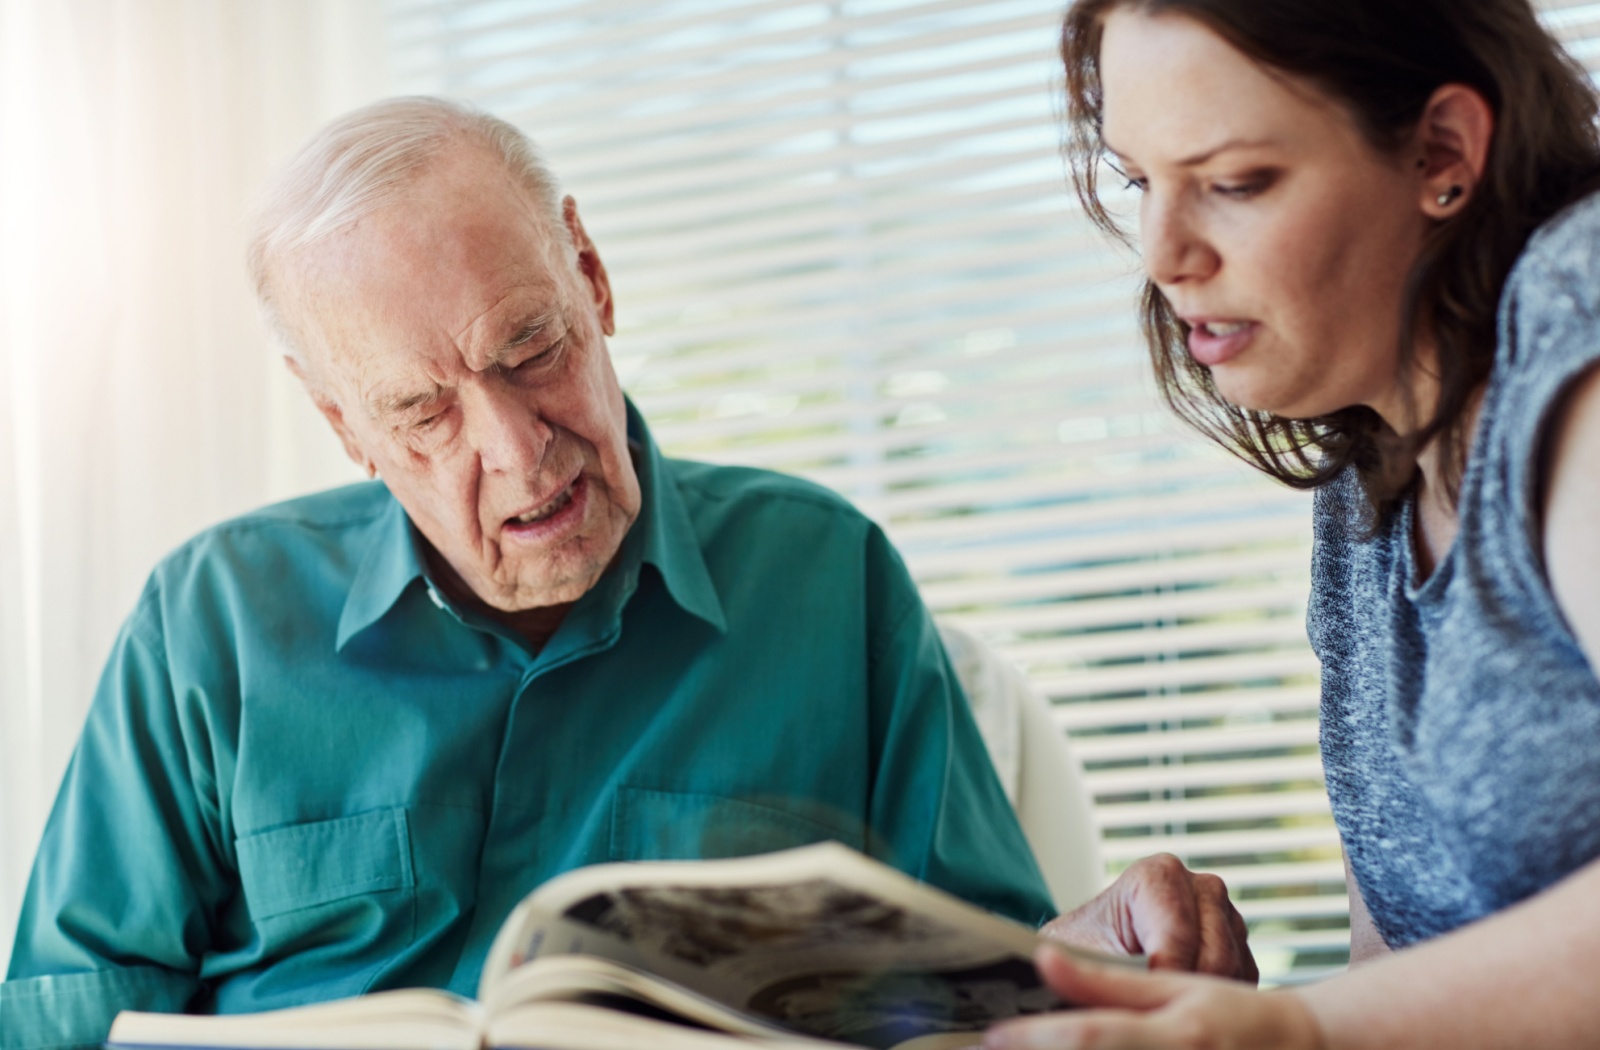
(534, 626)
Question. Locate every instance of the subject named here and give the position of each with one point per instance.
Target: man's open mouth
(548, 510)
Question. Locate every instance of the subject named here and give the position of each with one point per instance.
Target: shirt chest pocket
(331, 897)
(672, 825)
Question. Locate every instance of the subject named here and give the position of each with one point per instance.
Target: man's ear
(589, 264)
(334, 415)
(1453, 139)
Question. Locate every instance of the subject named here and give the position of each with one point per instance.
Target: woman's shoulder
(1556, 279)
(1550, 311)
(1549, 338)
(1569, 241)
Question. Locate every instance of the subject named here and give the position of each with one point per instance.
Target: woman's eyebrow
(1204, 155)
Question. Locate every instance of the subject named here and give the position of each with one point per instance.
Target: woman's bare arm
(1366, 943)
(1572, 515)
(1521, 978)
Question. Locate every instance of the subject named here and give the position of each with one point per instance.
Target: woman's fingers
(1092, 984)
(1080, 1030)
(1127, 1009)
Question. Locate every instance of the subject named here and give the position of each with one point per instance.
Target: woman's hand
(1159, 908)
(1125, 1009)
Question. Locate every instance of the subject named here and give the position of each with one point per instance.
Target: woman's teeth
(548, 509)
(1222, 328)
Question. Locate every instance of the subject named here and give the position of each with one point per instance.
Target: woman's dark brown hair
(1383, 60)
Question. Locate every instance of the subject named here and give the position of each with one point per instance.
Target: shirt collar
(394, 559)
(671, 543)
(663, 531)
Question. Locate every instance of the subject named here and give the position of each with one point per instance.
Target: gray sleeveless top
(1460, 719)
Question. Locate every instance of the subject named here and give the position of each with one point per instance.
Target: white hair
(365, 160)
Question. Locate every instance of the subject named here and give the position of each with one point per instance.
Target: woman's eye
(429, 423)
(1240, 191)
(1129, 182)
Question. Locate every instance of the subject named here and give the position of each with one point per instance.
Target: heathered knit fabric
(1460, 718)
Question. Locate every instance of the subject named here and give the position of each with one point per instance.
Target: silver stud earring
(1449, 197)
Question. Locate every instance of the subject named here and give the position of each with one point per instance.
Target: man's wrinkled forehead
(400, 366)
(454, 265)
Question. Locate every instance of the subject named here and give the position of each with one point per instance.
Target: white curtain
(139, 397)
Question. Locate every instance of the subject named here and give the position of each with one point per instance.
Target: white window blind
(843, 245)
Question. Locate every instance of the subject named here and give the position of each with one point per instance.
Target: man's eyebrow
(525, 331)
(1204, 155)
(399, 404)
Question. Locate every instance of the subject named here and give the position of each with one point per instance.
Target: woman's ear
(1452, 141)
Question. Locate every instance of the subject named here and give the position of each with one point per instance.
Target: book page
(574, 1026)
(412, 1019)
(592, 980)
(819, 940)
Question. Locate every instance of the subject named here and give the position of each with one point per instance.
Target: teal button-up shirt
(307, 775)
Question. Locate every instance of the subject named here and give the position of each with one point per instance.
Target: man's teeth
(548, 509)
(1220, 328)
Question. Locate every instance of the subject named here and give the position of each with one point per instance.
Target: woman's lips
(1212, 343)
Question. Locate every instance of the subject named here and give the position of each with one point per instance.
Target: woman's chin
(1249, 393)
(1245, 391)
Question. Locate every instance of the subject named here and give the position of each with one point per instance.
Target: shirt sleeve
(117, 909)
(1550, 340)
(937, 809)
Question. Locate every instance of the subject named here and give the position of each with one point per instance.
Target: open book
(808, 947)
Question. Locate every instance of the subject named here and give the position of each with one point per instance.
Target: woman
(1374, 270)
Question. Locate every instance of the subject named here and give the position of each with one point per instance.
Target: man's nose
(1174, 250)
(506, 429)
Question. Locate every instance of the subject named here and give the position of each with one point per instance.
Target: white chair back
(1040, 774)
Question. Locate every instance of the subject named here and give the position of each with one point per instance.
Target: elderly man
(339, 738)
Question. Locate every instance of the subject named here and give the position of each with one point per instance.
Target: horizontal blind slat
(1201, 845)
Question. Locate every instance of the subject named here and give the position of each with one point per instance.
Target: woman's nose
(1173, 248)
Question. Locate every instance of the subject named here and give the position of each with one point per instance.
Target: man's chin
(527, 595)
